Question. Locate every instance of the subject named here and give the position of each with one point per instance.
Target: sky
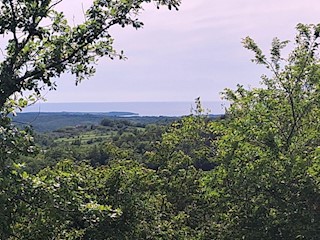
(185, 54)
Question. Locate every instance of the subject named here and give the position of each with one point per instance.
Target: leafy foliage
(251, 175)
(268, 146)
(42, 44)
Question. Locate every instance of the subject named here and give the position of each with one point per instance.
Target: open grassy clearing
(84, 138)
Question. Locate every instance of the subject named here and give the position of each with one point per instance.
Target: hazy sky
(180, 55)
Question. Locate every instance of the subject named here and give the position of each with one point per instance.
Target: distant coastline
(136, 108)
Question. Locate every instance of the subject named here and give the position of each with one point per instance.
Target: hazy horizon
(178, 108)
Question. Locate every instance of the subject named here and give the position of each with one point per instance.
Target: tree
(42, 44)
(58, 203)
(267, 182)
(191, 138)
(182, 159)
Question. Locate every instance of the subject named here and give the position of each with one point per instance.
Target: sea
(138, 108)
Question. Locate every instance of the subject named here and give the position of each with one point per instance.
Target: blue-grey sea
(140, 108)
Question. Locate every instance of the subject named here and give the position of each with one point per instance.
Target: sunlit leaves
(269, 146)
(43, 44)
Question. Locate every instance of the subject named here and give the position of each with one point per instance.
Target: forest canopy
(252, 174)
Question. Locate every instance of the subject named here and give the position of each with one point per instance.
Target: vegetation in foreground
(251, 175)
